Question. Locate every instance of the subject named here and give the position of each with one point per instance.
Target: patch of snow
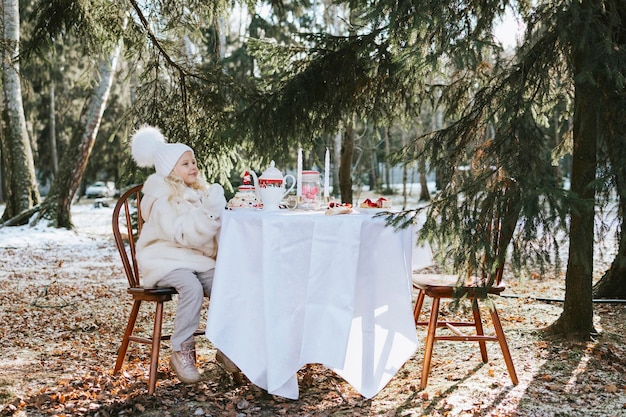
(91, 248)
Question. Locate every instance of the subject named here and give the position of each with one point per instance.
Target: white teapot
(270, 187)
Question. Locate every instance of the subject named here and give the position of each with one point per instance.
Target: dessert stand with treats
(246, 196)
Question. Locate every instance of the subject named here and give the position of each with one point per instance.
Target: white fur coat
(178, 232)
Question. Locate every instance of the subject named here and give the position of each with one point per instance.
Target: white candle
(299, 174)
(327, 174)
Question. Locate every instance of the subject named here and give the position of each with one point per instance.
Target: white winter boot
(183, 363)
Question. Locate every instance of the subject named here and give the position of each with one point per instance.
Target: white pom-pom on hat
(146, 142)
(149, 149)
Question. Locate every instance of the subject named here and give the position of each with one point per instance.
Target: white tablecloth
(293, 288)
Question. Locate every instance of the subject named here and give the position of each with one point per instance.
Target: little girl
(178, 243)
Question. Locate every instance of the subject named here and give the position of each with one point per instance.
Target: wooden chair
(475, 288)
(127, 223)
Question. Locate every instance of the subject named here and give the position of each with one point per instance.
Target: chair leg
(156, 347)
(503, 345)
(418, 306)
(430, 341)
(121, 354)
(478, 323)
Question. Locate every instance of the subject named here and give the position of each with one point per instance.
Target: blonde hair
(178, 186)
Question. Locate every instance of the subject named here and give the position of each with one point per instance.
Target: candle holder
(292, 202)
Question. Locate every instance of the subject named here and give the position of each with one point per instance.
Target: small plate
(371, 210)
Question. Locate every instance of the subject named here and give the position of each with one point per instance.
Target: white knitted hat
(149, 149)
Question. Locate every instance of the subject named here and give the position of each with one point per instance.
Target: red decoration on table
(247, 179)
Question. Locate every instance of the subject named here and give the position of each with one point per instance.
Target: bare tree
(56, 207)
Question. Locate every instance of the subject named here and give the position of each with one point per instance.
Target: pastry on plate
(382, 202)
(338, 208)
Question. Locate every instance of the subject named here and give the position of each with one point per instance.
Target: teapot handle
(255, 182)
(293, 183)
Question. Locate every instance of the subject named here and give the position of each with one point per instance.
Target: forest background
(381, 84)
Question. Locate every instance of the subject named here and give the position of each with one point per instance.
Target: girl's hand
(215, 202)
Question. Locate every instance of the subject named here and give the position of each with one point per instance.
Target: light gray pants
(192, 287)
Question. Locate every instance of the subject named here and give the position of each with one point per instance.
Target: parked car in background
(100, 189)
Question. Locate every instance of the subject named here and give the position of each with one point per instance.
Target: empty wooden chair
(476, 288)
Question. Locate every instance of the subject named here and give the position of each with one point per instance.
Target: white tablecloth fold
(294, 288)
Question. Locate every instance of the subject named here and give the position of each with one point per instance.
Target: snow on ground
(92, 239)
(92, 225)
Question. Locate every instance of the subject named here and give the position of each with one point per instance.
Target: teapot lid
(272, 173)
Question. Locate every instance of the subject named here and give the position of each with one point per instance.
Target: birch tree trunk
(56, 207)
(19, 175)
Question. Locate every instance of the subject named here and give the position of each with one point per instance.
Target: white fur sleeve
(192, 228)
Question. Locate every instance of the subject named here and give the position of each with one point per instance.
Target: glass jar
(311, 198)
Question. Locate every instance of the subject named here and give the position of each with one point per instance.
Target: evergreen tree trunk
(421, 168)
(613, 283)
(372, 172)
(57, 205)
(53, 134)
(345, 168)
(19, 170)
(405, 173)
(576, 319)
(335, 167)
(388, 188)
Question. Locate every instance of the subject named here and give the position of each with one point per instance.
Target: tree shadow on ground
(578, 378)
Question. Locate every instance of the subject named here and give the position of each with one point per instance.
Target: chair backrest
(504, 214)
(127, 223)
